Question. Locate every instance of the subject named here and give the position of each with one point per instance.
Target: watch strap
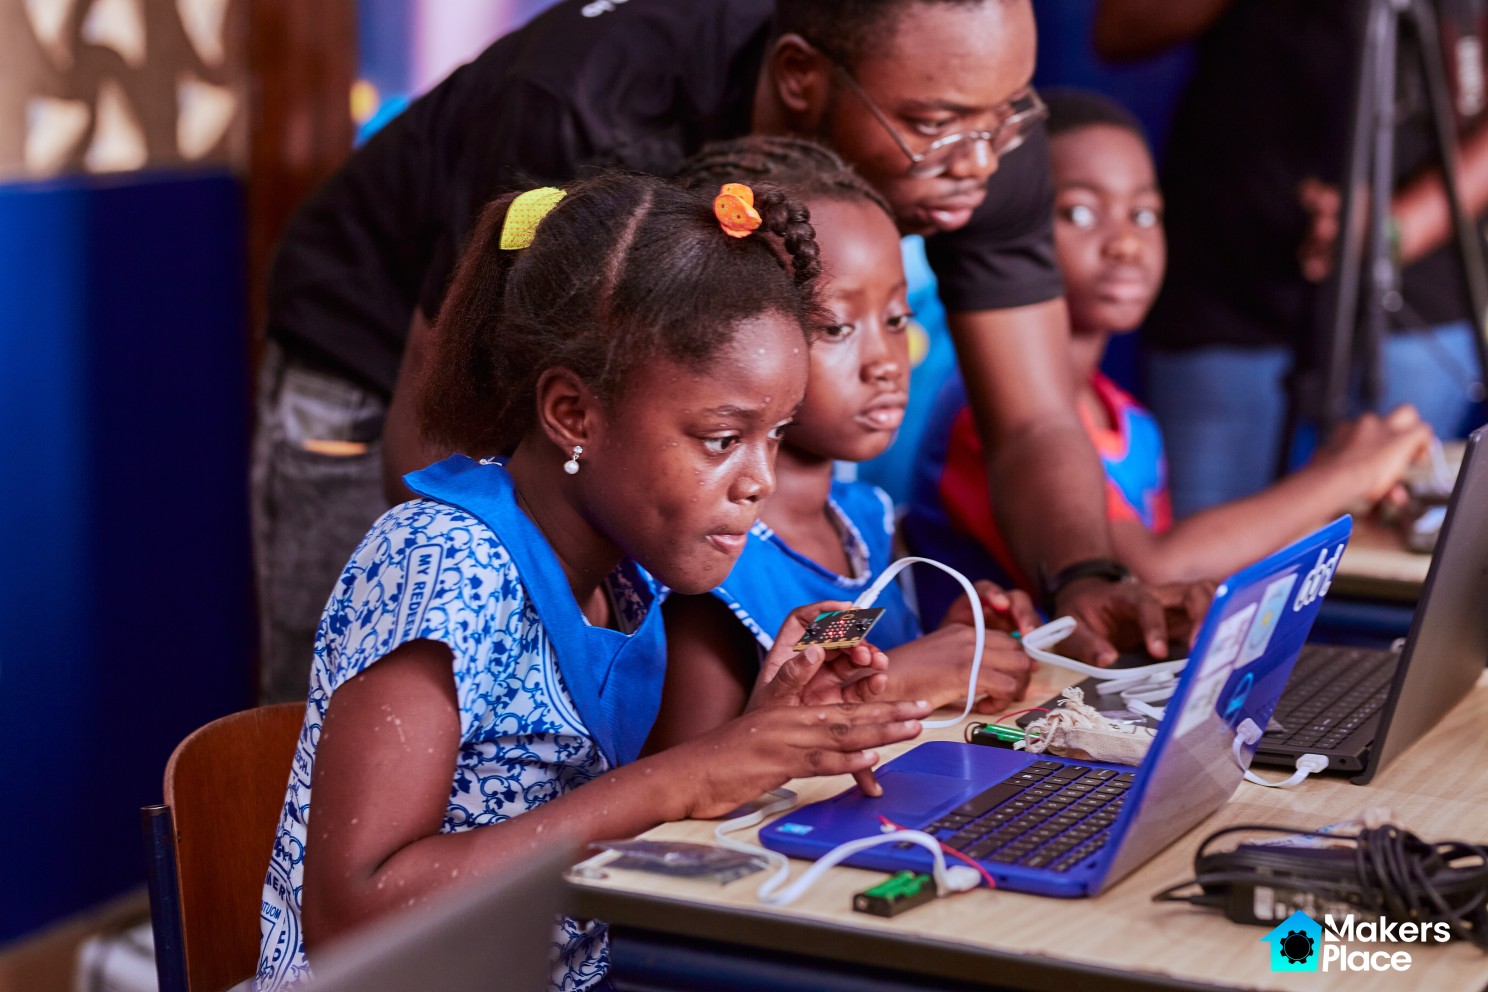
(1088, 568)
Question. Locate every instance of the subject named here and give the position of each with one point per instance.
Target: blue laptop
(1063, 827)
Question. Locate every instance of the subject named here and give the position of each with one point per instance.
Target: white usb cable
(956, 878)
(871, 594)
(1138, 688)
(1308, 764)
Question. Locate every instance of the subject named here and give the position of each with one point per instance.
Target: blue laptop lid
(1241, 661)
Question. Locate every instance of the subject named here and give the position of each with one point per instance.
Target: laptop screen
(1448, 642)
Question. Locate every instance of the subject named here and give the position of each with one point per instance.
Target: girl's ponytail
(468, 386)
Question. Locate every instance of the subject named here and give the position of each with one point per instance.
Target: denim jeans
(311, 507)
(1223, 410)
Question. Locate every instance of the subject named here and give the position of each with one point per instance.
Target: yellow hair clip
(734, 208)
(524, 214)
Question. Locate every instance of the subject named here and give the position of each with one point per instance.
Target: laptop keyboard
(1338, 690)
(1050, 815)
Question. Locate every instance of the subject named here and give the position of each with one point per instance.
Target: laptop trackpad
(911, 798)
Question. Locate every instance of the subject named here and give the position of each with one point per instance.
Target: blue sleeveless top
(614, 678)
(547, 702)
(771, 578)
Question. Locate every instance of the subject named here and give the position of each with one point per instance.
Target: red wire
(986, 876)
(1027, 709)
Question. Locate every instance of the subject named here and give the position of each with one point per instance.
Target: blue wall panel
(127, 611)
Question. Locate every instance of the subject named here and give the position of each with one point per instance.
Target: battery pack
(894, 895)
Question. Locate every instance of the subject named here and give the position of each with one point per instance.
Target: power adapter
(1383, 870)
(1263, 885)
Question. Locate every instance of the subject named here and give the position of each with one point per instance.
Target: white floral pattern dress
(429, 569)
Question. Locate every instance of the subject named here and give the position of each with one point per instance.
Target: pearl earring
(572, 465)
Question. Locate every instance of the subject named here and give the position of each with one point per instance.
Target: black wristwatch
(1089, 568)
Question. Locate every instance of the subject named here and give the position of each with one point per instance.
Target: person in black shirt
(928, 99)
(1258, 147)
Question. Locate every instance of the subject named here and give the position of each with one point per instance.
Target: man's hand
(1123, 615)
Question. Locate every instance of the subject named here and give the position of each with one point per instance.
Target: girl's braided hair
(804, 168)
(626, 268)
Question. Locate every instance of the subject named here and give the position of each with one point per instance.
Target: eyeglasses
(1018, 115)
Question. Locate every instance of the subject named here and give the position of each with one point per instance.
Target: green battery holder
(903, 891)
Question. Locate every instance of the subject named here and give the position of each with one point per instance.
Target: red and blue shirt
(951, 500)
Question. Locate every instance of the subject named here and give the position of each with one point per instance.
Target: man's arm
(1419, 208)
(1045, 479)
(404, 448)
(1040, 462)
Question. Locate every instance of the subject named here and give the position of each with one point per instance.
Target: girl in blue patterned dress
(491, 660)
(819, 538)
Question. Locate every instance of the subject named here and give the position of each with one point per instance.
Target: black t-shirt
(641, 86)
(1268, 106)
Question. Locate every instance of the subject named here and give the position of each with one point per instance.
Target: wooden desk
(1120, 939)
(1378, 566)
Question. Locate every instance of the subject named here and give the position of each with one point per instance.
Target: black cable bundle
(1383, 870)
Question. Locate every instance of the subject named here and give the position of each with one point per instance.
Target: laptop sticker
(1228, 640)
(1215, 669)
(1273, 602)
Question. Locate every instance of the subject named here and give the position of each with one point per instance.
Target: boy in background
(1109, 242)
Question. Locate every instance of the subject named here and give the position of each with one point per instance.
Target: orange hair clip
(734, 208)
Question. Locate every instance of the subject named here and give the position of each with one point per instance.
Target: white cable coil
(979, 623)
(1307, 764)
(957, 878)
(1138, 688)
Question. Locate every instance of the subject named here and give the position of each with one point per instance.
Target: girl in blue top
(818, 538)
(492, 658)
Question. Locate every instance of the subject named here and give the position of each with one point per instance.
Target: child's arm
(1363, 462)
(387, 754)
(1007, 610)
(937, 667)
(712, 661)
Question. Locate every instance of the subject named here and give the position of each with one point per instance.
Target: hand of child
(1373, 452)
(937, 667)
(1002, 609)
(816, 675)
(764, 749)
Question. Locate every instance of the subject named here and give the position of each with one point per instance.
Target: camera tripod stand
(1366, 276)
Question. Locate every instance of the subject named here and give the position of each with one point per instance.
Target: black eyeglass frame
(938, 156)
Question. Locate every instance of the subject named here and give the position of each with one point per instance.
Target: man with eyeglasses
(928, 99)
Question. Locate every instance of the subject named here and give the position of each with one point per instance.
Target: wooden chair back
(224, 786)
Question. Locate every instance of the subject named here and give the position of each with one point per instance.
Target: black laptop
(1361, 707)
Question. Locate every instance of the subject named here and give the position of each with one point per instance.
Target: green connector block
(996, 735)
(903, 891)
